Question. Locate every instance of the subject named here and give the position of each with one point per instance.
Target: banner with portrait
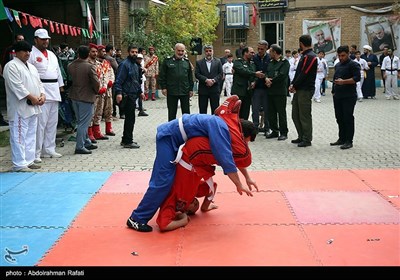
(380, 32)
(325, 36)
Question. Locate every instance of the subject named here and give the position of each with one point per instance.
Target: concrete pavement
(376, 142)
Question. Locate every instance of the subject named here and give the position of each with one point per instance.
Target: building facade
(277, 21)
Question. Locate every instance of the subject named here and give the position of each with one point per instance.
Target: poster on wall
(325, 36)
(381, 32)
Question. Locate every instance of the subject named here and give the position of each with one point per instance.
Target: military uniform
(244, 73)
(278, 71)
(176, 76)
(151, 64)
(104, 101)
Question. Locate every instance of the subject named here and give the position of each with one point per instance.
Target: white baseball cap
(139, 56)
(42, 34)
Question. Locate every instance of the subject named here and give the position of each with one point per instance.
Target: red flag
(24, 19)
(51, 27)
(254, 16)
(66, 29)
(57, 27)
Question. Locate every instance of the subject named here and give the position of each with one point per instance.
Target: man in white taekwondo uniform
(47, 65)
(25, 96)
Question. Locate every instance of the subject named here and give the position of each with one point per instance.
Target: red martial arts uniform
(196, 166)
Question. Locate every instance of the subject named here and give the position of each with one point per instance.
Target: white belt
(182, 130)
(178, 155)
(185, 165)
(209, 181)
(188, 166)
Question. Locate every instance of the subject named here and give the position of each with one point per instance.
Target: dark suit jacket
(202, 74)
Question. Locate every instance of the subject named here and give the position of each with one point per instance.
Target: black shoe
(91, 147)
(93, 141)
(110, 133)
(142, 114)
(3, 123)
(123, 144)
(261, 129)
(304, 144)
(132, 146)
(137, 226)
(296, 141)
(337, 143)
(272, 135)
(346, 146)
(282, 137)
(84, 151)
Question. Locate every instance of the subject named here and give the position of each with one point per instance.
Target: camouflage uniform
(103, 104)
(151, 64)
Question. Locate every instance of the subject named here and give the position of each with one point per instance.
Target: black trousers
(203, 102)
(277, 117)
(245, 107)
(344, 113)
(172, 104)
(129, 106)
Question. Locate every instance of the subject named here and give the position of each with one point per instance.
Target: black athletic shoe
(137, 226)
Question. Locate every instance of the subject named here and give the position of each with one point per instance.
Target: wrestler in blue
(170, 136)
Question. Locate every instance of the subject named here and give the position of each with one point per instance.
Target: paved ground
(376, 142)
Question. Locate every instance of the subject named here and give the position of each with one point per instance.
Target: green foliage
(184, 19)
(4, 138)
(179, 21)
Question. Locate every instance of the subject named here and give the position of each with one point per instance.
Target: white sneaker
(395, 97)
(317, 100)
(37, 160)
(53, 155)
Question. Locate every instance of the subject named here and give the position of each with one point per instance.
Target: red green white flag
(17, 20)
(89, 20)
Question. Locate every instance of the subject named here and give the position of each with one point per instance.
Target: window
(232, 36)
(136, 5)
(105, 21)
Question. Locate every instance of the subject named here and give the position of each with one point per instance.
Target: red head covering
(91, 45)
(101, 47)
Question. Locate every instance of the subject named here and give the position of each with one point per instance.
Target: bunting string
(54, 27)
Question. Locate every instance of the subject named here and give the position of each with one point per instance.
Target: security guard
(176, 81)
(244, 75)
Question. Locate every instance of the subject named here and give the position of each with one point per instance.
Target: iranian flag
(89, 20)
(3, 14)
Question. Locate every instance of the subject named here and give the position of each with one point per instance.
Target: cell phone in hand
(29, 102)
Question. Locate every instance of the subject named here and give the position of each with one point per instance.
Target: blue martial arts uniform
(169, 138)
